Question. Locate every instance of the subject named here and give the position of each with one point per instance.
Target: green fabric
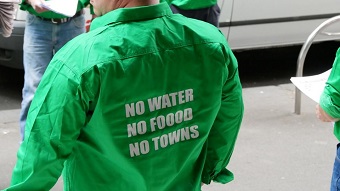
(191, 4)
(146, 101)
(50, 14)
(330, 98)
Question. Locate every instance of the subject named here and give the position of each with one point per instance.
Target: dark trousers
(210, 14)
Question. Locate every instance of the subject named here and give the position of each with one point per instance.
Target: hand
(323, 116)
(37, 5)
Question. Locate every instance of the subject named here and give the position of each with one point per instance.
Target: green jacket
(49, 14)
(330, 98)
(146, 101)
(192, 4)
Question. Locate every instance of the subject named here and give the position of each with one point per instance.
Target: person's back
(155, 104)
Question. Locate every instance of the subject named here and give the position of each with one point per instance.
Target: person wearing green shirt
(204, 10)
(147, 100)
(45, 33)
(328, 110)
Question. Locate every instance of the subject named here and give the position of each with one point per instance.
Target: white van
(254, 24)
(247, 24)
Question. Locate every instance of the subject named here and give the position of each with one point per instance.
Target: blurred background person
(204, 10)
(45, 33)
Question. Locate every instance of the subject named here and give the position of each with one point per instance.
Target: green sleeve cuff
(224, 176)
(328, 106)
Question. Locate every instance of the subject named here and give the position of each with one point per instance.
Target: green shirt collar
(131, 14)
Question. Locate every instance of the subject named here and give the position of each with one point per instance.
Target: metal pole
(303, 53)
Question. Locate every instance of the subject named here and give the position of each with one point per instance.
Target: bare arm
(323, 116)
(37, 5)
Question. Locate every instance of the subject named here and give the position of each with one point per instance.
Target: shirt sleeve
(330, 97)
(224, 132)
(56, 115)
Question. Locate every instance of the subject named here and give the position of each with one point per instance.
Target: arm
(222, 137)
(329, 108)
(54, 121)
(37, 5)
(323, 116)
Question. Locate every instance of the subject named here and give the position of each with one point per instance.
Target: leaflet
(64, 7)
(312, 86)
(10, 1)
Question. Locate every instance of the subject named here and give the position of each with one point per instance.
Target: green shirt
(50, 14)
(146, 101)
(192, 4)
(330, 98)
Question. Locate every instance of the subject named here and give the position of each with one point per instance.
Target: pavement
(276, 150)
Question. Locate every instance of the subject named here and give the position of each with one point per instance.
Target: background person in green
(204, 10)
(147, 100)
(328, 110)
(45, 33)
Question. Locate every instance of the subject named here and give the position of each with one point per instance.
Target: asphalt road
(276, 149)
(11, 82)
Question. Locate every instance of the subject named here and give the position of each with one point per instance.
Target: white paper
(10, 1)
(64, 7)
(312, 86)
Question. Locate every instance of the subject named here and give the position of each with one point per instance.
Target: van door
(267, 23)
(226, 7)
